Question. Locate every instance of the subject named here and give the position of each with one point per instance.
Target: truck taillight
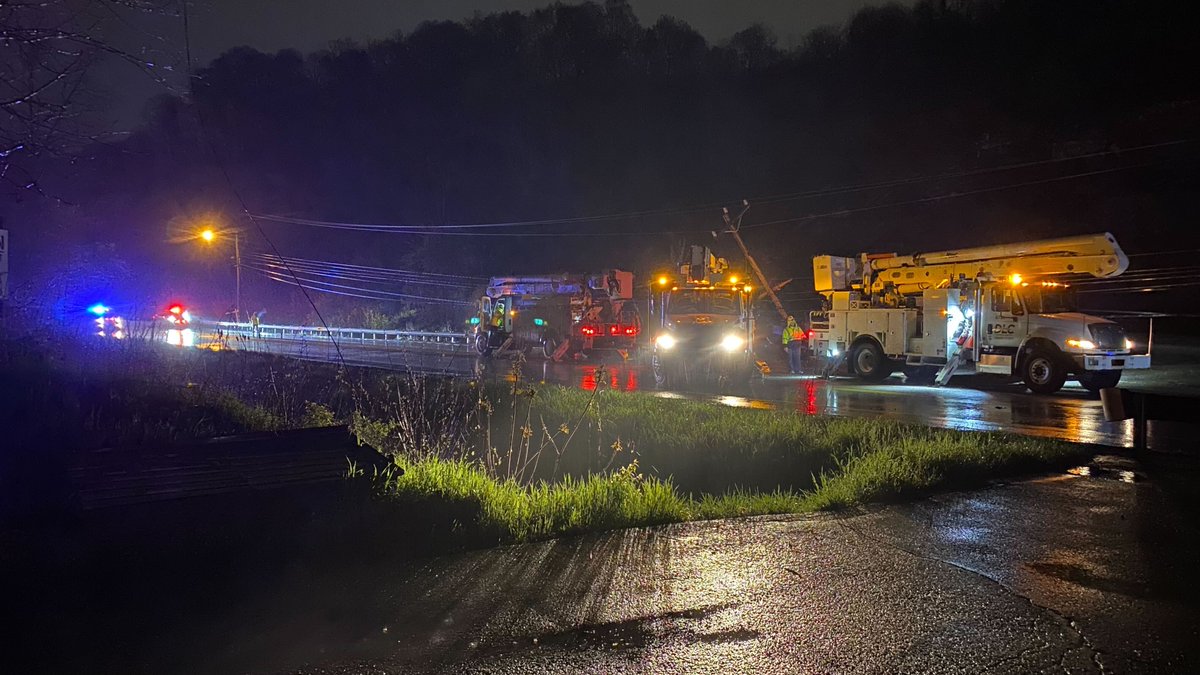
(631, 330)
(588, 330)
(614, 329)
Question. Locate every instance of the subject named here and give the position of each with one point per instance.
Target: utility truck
(1008, 309)
(557, 315)
(703, 324)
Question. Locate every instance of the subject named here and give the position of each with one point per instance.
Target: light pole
(210, 235)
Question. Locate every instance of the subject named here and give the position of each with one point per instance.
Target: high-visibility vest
(793, 333)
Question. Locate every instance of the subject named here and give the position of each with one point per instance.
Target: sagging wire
(212, 148)
(370, 270)
(770, 199)
(373, 278)
(367, 294)
(389, 294)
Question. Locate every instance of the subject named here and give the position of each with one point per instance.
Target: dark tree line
(581, 109)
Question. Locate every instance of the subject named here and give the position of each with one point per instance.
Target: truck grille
(1108, 335)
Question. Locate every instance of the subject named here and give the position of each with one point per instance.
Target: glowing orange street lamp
(209, 235)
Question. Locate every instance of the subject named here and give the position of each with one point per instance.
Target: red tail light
(614, 329)
(588, 330)
(631, 330)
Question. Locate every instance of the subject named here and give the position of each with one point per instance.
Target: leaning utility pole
(732, 228)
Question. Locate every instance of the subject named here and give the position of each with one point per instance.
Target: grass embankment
(61, 397)
(853, 461)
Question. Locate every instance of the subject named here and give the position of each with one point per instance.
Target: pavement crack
(1059, 616)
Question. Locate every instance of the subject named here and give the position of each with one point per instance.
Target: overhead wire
(426, 228)
(376, 294)
(212, 148)
(954, 195)
(440, 231)
(364, 276)
(381, 269)
(363, 279)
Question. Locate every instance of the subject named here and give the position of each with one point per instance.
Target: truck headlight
(732, 343)
(665, 341)
(1128, 344)
(1081, 344)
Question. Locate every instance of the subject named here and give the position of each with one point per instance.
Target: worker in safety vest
(793, 342)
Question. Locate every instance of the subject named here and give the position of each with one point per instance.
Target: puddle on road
(1094, 471)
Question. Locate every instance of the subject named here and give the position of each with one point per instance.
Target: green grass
(570, 506)
(707, 448)
(859, 460)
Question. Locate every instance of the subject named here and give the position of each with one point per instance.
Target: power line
(400, 229)
(212, 148)
(770, 199)
(363, 278)
(1148, 288)
(439, 231)
(1175, 252)
(380, 294)
(368, 277)
(954, 195)
(389, 270)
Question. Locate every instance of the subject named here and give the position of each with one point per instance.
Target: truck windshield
(1049, 299)
(702, 302)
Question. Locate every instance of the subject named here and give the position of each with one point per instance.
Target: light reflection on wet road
(1068, 573)
(1073, 414)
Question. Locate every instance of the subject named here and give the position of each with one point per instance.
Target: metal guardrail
(363, 336)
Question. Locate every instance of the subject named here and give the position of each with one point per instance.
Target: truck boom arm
(1098, 255)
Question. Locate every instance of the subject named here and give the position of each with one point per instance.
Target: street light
(210, 235)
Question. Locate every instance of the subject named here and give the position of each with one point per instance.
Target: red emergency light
(176, 309)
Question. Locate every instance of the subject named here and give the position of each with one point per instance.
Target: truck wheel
(549, 345)
(483, 344)
(668, 374)
(1095, 380)
(1043, 371)
(869, 362)
(660, 371)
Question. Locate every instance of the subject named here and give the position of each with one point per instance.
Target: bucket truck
(703, 321)
(557, 315)
(1007, 309)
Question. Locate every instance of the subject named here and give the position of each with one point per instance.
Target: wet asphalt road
(1070, 573)
(971, 404)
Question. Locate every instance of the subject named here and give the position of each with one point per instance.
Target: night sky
(307, 25)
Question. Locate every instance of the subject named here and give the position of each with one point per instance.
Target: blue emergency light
(99, 309)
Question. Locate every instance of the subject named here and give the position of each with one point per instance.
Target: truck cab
(1034, 329)
(704, 324)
